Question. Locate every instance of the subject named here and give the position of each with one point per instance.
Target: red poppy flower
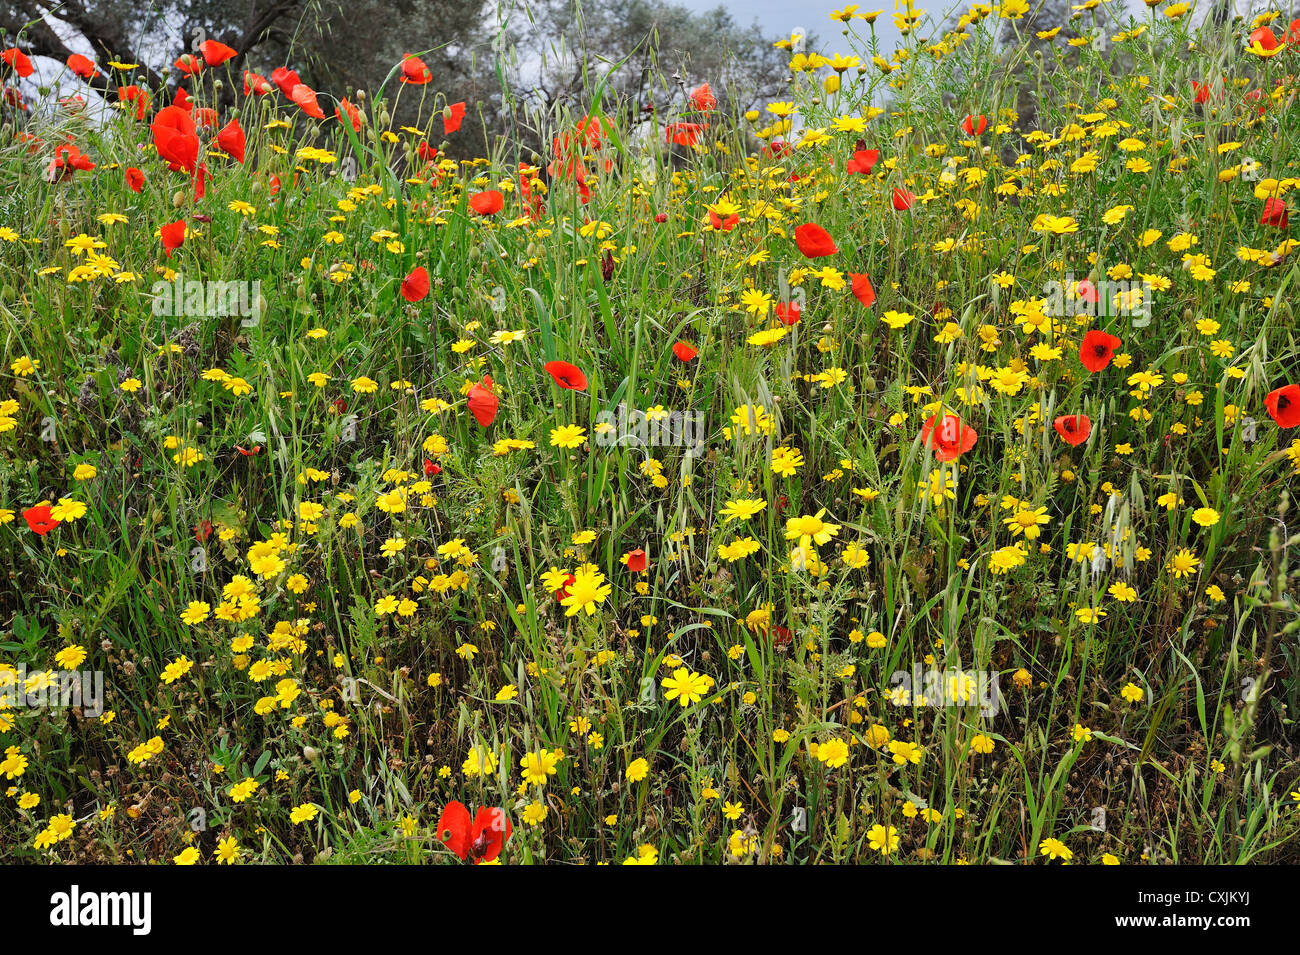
(67, 160)
(1264, 38)
(431, 469)
(256, 84)
(352, 114)
(207, 116)
(778, 148)
(862, 162)
(1097, 349)
(201, 184)
(480, 840)
(231, 140)
(1200, 92)
(684, 351)
(563, 592)
(483, 404)
(1073, 428)
(189, 64)
(285, 79)
(487, 203)
(40, 519)
(173, 236)
(451, 118)
(305, 97)
(566, 375)
(1274, 213)
(215, 53)
(414, 71)
(1283, 405)
(683, 134)
(975, 125)
(182, 101)
(903, 200)
(174, 137)
(814, 241)
(948, 438)
(203, 530)
(134, 95)
(252, 452)
(702, 98)
(82, 66)
(787, 313)
(17, 59)
(416, 285)
(721, 224)
(636, 561)
(862, 289)
(134, 179)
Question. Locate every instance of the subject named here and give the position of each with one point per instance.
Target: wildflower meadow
(899, 470)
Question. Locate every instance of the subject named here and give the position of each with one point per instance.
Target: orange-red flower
(416, 285)
(814, 241)
(451, 118)
(175, 138)
(949, 437)
(18, 61)
(702, 98)
(483, 404)
(566, 375)
(862, 290)
(862, 161)
(1274, 213)
(1283, 405)
(231, 140)
(487, 203)
(189, 64)
(414, 71)
(1097, 349)
(284, 78)
(82, 66)
(479, 840)
(40, 519)
(173, 236)
(215, 53)
(305, 97)
(255, 83)
(1073, 428)
(137, 97)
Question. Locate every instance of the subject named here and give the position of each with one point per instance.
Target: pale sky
(780, 18)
